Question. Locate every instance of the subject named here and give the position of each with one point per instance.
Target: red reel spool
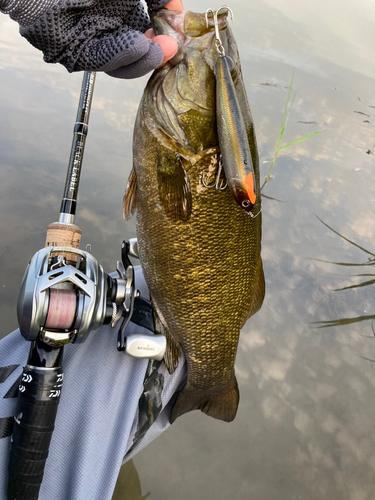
(62, 309)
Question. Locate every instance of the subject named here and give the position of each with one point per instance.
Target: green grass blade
(301, 139)
(367, 359)
(288, 114)
(274, 199)
(371, 282)
(287, 110)
(370, 263)
(282, 130)
(341, 322)
(287, 100)
(346, 239)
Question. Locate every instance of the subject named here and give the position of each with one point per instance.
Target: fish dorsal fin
(130, 200)
(174, 188)
(172, 353)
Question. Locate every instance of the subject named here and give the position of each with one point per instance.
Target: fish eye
(246, 203)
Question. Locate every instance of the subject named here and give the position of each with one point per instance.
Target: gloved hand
(94, 35)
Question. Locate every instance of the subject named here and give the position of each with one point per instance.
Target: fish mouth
(182, 24)
(182, 92)
(169, 22)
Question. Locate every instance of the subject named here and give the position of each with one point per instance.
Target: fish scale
(201, 262)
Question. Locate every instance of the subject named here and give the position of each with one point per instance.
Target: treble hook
(218, 43)
(254, 216)
(220, 186)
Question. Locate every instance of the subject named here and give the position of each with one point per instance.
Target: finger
(168, 45)
(149, 34)
(174, 5)
(144, 65)
(131, 46)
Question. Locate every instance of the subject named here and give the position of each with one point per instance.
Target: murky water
(304, 429)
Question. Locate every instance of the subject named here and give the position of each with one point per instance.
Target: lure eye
(246, 203)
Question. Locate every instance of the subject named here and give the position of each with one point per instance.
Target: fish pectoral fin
(258, 295)
(130, 200)
(174, 189)
(173, 352)
(222, 405)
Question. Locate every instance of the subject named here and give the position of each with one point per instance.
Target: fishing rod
(65, 294)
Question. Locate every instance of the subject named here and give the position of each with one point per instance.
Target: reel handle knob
(146, 346)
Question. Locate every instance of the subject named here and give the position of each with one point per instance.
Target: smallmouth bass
(199, 250)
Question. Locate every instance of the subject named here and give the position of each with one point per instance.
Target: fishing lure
(233, 140)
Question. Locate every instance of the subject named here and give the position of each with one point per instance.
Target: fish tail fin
(222, 405)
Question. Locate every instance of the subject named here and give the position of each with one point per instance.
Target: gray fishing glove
(92, 35)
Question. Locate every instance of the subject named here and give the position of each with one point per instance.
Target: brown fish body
(200, 252)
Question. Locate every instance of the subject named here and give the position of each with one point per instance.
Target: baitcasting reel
(65, 294)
